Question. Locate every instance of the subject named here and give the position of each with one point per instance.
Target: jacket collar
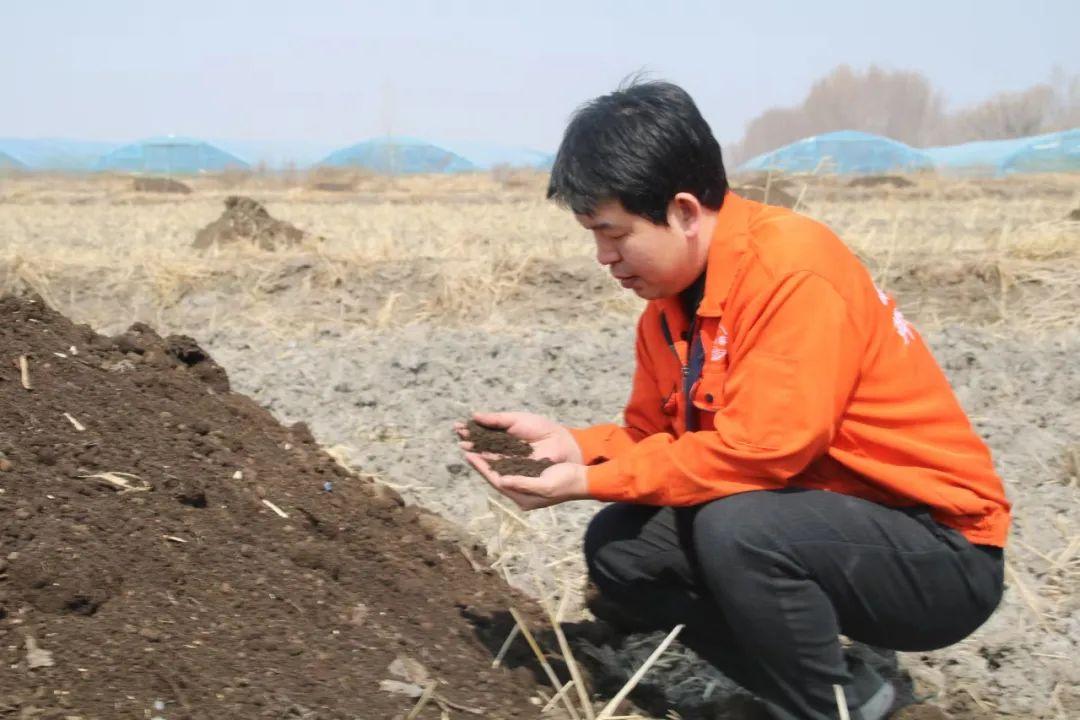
(726, 253)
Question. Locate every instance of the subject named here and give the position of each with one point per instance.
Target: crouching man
(793, 465)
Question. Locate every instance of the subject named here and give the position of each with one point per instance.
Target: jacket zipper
(684, 387)
(666, 329)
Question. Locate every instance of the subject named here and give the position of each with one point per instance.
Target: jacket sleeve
(642, 417)
(790, 375)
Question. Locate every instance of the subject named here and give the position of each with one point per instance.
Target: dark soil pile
(247, 221)
(166, 541)
(877, 181)
(160, 185)
(1075, 214)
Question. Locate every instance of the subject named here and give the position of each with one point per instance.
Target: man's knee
(737, 528)
(614, 523)
(596, 536)
(638, 571)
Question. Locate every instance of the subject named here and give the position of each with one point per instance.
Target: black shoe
(869, 696)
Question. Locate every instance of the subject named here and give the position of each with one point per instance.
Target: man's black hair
(640, 145)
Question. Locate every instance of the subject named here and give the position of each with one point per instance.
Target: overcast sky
(506, 72)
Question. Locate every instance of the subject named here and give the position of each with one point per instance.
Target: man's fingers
(481, 464)
(477, 461)
(526, 501)
(520, 488)
(512, 486)
(516, 488)
(489, 456)
(516, 484)
(494, 419)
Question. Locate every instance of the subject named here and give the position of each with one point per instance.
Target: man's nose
(606, 253)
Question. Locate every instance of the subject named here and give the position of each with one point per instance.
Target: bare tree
(900, 104)
(1067, 96)
(903, 105)
(1006, 115)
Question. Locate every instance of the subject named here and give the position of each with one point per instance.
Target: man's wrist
(581, 481)
(574, 453)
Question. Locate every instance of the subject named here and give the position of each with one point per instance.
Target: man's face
(654, 261)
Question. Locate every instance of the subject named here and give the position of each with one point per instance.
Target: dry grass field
(416, 299)
(476, 246)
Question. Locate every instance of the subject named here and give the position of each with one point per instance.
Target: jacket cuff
(600, 442)
(604, 482)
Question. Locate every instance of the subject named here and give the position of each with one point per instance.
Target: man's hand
(549, 439)
(559, 483)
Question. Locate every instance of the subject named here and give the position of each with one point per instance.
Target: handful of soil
(496, 441)
(515, 453)
(527, 467)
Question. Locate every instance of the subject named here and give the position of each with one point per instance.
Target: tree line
(905, 106)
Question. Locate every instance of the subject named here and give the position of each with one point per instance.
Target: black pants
(766, 581)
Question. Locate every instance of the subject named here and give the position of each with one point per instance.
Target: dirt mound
(247, 221)
(778, 194)
(337, 179)
(1075, 214)
(330, 186)
(160, 185)
(877, 181)
(168, 544)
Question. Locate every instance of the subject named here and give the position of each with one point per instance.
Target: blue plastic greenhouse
(398, 156)
(487, 155)
(1053, 152)
(1056, 152)
(844, 152)
(9, 163)
(56, 153)
(170, 156)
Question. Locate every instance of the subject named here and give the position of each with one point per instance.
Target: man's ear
(685, 212)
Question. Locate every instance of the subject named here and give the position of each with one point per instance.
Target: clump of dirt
(527, 467)
(160, 185)
(496, 441)
(168, 542)
(1075, 214)
(247, 221)
(877, 181)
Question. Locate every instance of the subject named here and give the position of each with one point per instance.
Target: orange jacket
(812, 378)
